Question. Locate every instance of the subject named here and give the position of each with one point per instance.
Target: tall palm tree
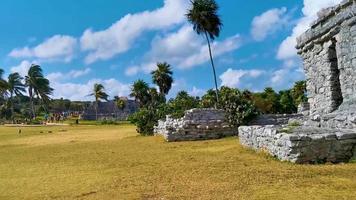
(3, 84)
(162, 77)
(120, 103)
(38, 86)
(15, 87)
(140, 91)
(99, 94)
(205, 20)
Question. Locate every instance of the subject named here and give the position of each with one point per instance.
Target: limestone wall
(197, 124)
(329, 56)
(301, 145)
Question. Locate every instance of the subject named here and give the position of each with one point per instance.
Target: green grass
(113, 162)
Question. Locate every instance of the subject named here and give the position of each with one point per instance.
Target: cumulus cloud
(311, 7)
(59, 76)
(268, 22)
(80, 91)
(58, 47)
(232, 78)
(183, 49)
(197, 92)
(119, 37)
(23, 67)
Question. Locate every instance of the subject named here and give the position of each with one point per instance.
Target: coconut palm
(38, 86)
(3, 84)
(15, 87)
(99, 94)
(162, 77)
(120, 103)
(205, 20)
(140, 91)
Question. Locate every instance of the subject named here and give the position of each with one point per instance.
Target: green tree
(203, 15)
(209, 99)
(140, 91)
(181, 103)
(162, 77)
(3, 84)
(38, 86)
(239, 110)
(120, 103)
(15, 87)
(99, 94)
(286, 102)
(298, 92)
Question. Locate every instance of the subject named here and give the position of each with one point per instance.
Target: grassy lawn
(112, 162)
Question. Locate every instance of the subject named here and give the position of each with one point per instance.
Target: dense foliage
(14, 104)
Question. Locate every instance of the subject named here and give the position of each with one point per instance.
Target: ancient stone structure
(197, 124)
(328, 131)
(110, 111)
(301, 144)
(328, 50)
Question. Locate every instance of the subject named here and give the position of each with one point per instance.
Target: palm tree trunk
(213, 66)
(12, 108)
(96, 110)
(31, 102)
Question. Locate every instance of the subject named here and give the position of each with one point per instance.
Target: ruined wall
(301, 145)
(328, 50)
(197, 124)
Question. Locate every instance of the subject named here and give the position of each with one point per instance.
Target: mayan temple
(328, 50)
(326, 133)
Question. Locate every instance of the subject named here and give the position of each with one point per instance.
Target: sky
(115, 42)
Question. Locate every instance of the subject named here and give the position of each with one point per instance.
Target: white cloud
(197, 92)
(58, 47)
(183, 49)
(79, 73)
(311, 7)
(287, 75)
(59, 76)
(268, 22)
(232, 78)
(80, 91)
(22, 68)
(119, 37)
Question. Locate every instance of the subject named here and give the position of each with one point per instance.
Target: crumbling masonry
(328, 132)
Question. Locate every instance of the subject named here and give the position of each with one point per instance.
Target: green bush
(145, 120)
(239, 109)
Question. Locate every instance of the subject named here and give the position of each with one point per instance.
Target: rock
(196, 124)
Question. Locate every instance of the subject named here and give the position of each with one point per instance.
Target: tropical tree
(162, 77)
(3, 84)
(15, 87)
(205, 20)
(99, 94)
(140, 91)
(38, 86)
(299, 92)
(120, 103)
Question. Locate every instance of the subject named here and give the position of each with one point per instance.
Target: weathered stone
(197, 124)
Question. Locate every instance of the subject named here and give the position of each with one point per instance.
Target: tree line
(19, 95)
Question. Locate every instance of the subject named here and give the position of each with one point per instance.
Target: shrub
(145, 120)
(239, 110)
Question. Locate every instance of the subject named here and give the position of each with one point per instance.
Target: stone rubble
(301, 145)
(197, 124)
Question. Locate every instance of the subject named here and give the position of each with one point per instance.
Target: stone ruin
(328, 131)
(197, 124)
(325, 129)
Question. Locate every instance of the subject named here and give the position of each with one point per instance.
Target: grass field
(112, 162)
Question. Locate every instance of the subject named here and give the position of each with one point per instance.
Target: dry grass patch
(126, 166)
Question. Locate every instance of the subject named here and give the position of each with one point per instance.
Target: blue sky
(115, 42)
